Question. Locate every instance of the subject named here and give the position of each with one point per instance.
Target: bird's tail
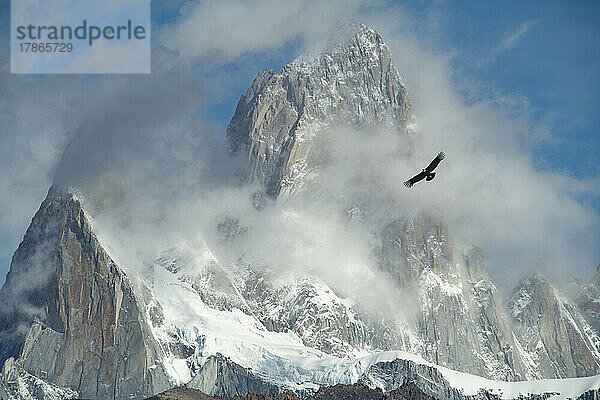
(407, 184)
(441, 155)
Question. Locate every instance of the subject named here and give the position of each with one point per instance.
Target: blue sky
(548, 52)
(542, 57)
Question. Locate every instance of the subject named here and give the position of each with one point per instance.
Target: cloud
(493, 195)
(215, 33)
(508, 42)
(514, 36)
(33, 131)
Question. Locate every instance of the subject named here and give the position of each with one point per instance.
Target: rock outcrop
(461, 322)
(553, 331)
(70, 316)
(219, 376)
(587, 298)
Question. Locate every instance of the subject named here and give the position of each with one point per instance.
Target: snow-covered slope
(282, 358)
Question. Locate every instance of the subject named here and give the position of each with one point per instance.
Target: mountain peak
(64, 292)
(351, 82)
(355, 41)
(536, 308)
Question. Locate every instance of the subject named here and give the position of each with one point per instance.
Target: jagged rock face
(16, 383)
(553, 331)
(84, 329)
(461, 322)
(319, 317)
(305, 306)
(588, 300)
(277, 120)
(499, 350)
(219, 376)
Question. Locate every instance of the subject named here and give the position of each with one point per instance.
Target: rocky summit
(282, 116)
(76, 323)
(70, 315)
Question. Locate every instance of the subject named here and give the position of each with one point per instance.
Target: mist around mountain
(286, 257)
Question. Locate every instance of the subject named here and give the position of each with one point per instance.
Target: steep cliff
(461, 323)
(587, 298)
(219, 376)
(555, 333)
(69, 315)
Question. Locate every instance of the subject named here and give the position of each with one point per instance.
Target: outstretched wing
(419, 177)
(433, 164)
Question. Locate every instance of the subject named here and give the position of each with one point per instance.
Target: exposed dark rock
(219, 376)
(69, 315)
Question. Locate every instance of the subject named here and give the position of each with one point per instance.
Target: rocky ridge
(408, 391)
(553, 330)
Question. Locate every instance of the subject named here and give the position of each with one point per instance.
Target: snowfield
(283, 359)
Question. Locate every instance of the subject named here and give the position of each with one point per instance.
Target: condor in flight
(427, 173)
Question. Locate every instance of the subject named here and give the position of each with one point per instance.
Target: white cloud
(492, 194)
(514, 36)
(219, 32)
(508, 41)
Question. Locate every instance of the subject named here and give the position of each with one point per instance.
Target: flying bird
(426, 173)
